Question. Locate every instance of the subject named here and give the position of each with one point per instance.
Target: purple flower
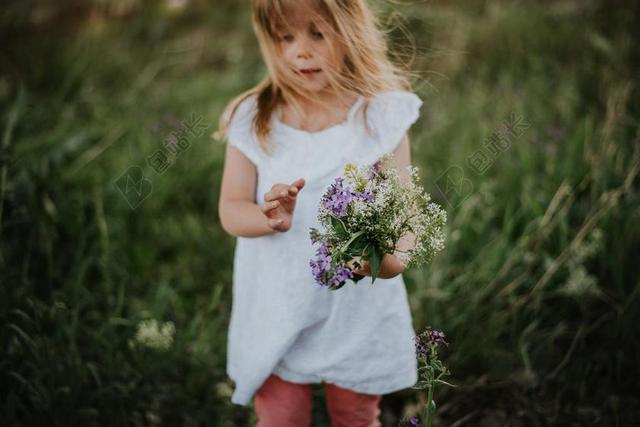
(324, 272)
(322, 264)
(364, 195)
(341, 276)
(337, 198)
(414, 421)
(428, 340)
(323, 249)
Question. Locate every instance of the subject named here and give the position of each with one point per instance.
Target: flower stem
(429, 399)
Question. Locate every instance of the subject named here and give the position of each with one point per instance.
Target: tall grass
(538, 286)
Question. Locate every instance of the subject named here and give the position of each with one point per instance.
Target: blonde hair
(366, 70)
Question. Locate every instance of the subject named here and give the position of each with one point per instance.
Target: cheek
(337, 57)
(329, 57)
(285, 53)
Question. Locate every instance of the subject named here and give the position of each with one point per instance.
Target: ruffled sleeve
(390, 115)
(240, 132)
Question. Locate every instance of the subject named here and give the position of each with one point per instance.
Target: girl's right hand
(280, 203)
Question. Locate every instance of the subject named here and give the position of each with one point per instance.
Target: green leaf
(353, 237)
(444, 382)
(375, 260)
(335, 288)
(314, 234)
(339, 227)
(420, 385)
(358, 246)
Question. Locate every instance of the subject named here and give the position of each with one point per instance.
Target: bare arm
(402, 156)
(239, 213)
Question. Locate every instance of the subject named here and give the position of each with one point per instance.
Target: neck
(326, 100)
(314, 115)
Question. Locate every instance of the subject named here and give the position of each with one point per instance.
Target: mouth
(309, 71)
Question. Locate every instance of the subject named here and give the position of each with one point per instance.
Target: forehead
(302, 14)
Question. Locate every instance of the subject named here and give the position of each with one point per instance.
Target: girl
(330, 97)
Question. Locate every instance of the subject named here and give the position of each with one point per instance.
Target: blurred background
(115, 274)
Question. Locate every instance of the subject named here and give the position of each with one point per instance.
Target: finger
(275, 223)
(361, 272)
(273, 195)
(358, 267)
(286, 195)
(276, 192)
(269, 206)
(293, 191)
(357, 270)
(299, 183)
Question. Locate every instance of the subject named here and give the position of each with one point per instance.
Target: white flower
(152, 336)
(398, 209)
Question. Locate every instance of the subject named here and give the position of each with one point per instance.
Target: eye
(317, 35)
(286, 38)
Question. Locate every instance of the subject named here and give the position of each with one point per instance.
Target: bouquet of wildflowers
(365, 214)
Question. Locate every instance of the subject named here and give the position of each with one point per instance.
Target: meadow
(537, 289)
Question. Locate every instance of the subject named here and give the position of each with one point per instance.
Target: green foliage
(537, 288)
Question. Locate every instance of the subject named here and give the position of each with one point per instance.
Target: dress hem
(403, 379)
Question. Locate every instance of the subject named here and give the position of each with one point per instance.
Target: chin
(317, 87)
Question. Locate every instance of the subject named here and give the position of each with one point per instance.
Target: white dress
(359, 337)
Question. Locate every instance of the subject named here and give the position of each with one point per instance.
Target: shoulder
(238, 119)
(395, 102)
(241, 108)
(390, 113)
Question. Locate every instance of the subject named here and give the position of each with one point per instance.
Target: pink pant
(280, 403)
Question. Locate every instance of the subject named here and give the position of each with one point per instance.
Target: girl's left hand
(390, 267)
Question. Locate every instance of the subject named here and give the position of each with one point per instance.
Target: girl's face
(307, 48)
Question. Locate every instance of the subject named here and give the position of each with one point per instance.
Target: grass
(537, 288)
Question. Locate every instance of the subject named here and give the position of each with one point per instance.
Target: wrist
(391, 266)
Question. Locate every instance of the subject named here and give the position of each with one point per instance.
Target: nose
(303, 50)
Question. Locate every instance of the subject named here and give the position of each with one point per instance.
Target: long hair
(365, 71)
